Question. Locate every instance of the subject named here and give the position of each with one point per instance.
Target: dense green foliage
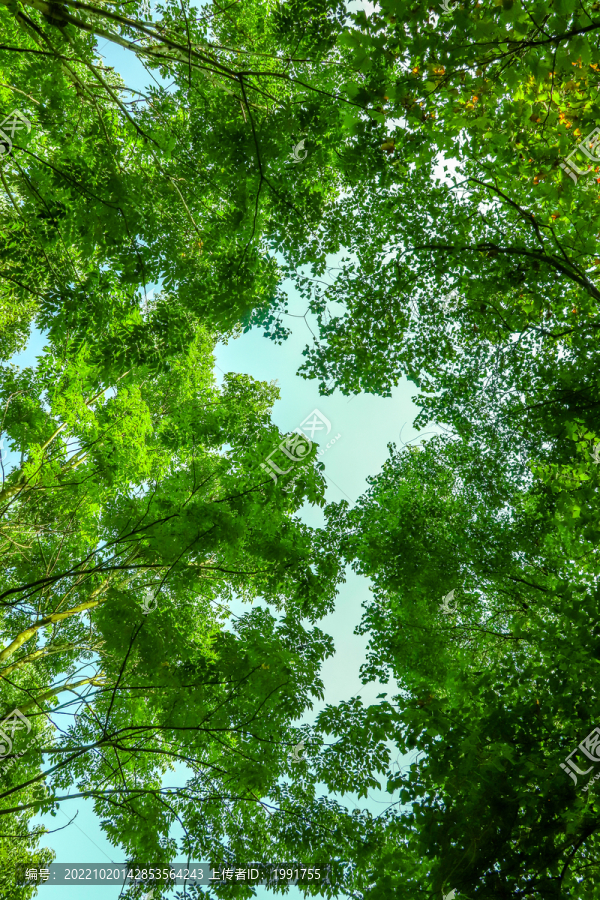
(435, 143)
(127, 498)
(481, 286)
(139, 479)
(191, 183)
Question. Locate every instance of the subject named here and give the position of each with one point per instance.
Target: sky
(366, 424)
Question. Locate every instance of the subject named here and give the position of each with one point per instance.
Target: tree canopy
(448, 156)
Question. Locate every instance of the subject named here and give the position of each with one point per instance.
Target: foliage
(471, 269)
(127, 532)
(189, 183)
(495, 693)
(126, 490)
(435, 142)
